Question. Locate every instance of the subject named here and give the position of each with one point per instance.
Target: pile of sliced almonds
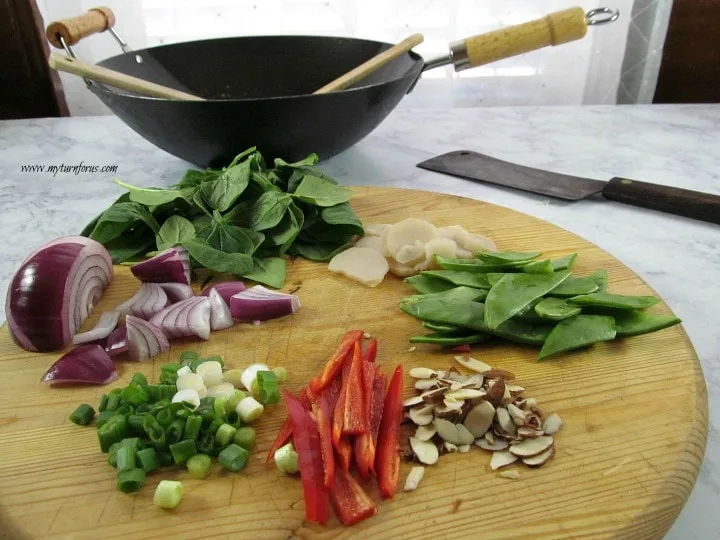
(454, 411)
(405, 248)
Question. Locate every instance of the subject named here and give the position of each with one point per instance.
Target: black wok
(258, 91)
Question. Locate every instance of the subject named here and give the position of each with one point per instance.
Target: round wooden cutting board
(634, 411)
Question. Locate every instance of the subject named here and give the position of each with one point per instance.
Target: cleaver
(482, 168)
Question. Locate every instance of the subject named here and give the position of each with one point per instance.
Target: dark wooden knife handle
(681, 202)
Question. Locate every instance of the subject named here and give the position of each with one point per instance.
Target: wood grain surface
(635, 413)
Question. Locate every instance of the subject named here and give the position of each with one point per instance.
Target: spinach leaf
(263, 182)
(88, 229)
(193, 178)
(201, 222)
(270, 271)
(342, 214)
(119, 218)
(318, 252)
(222, 192)
(239, 215)
(201, 203)
(175, 230)
(320, 192)
(285, 232)
(213, 259)
(268, 210)
(229, 238)
(128, 246)
(150, 196)
(310, 160)
(244, 154)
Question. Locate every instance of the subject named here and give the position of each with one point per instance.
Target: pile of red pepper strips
(346, 413)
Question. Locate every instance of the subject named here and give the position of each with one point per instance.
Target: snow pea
(600, 278)
(564, 263)
(467, 279)
(494, 277)
(427, 284)
(476, 265)
(516, 291)
(539, 267)
(460, 294)
(615, 301)
(575, 286)
(443, 328)
(577, 332)
(527, 314)
(450, 340)
(504, 257)
(555, 309)
(635, 322)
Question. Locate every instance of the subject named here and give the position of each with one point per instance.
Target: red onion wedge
(220, 317)
(227, 289)
(190, 317)
(145, 340)
(117, 342)
(150, 299)
(104, 327)
(83, 364)
(52, 293)
(177, 291)
(260, 304)
(169, 266)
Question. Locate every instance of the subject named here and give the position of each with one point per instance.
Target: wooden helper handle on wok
(71, 31)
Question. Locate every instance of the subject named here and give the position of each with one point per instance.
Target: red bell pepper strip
(376, 409)
(308, 445)
(322, 414)
(344, 450)
(370, 351)
(364, 444)
(351, 503)
(355, 420)
(333, 366)
(332, 394)
(285, 434)
(339, 412)
(387, 456)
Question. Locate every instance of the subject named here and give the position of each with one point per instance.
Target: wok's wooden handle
(553, 29)
(376, 62)
(97, 19)
(116, 79)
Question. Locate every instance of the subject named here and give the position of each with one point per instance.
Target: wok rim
(414, 73)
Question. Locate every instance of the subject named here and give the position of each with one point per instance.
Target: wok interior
(263, 66)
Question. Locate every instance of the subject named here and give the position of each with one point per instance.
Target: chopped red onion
(190, 317)
(117, 342)
(261, 304)
(104, 327)
(227, 289)
(177, 291)
(220, 317)
(82, 364)
(53, 291)
(149, 299)
(145, 340)
(169, 266)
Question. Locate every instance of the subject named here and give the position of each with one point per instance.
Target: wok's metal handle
(96, 20)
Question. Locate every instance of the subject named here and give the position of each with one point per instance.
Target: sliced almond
(513, 475)
(475, 381)
(426, 384)
(506, 398)
(479, 418)
(425, 433)
(446, 412)
(515, 389)
(421, 416)
(426, 452)
(516, 412)
(495, 446)
(464, 448)
(434, 395)
(489, 437)
(466, 437)
(505, 421)
(532, 447)
(453, 404)
(552, 424)
(533, 421)
(450, 447)
(412, 401)
(422, 373)
(530, 403)
(529, 433)
(496, 392)
(499, 374)
(453, 433)
(473, 364)
(501, 459)
(465, 393)
(413, 478)
(540, 459)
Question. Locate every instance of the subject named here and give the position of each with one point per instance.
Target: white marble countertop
(674, 145)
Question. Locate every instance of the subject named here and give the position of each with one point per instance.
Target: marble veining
(673, 145)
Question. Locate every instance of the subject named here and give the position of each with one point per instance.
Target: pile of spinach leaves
(241, 219)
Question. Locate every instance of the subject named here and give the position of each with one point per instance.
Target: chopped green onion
(165, 458)
(165, 417)
(254, 387)
(245, 438)
(83, 415)
(103, 417)
(136, 422)
(159, 405)
(183, 450)
(215, 425)
(192, 427)
(281, 373)
(103, 403)
(224, 434)
(143, 408)
(268, 387)
(171, 367)
(168, 378)
(148, 458)
(131, 442)
(233, 376)
(287, 459)
(187, 357)
(114, 430)
(113, 401)
(174, 432)
(112, 453)
(219, 406)
(208, 418)
(208, 401)
(206, 443)
(135, 393)
(140, 379)
(159, 392)
(168, 494)
(125, 458)
(234, 458)
(232, 403)
(195, 363)
(249, 409)
(125, 409)
(131, 480)
(233, 419)
(156, 434)
(199, 466)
